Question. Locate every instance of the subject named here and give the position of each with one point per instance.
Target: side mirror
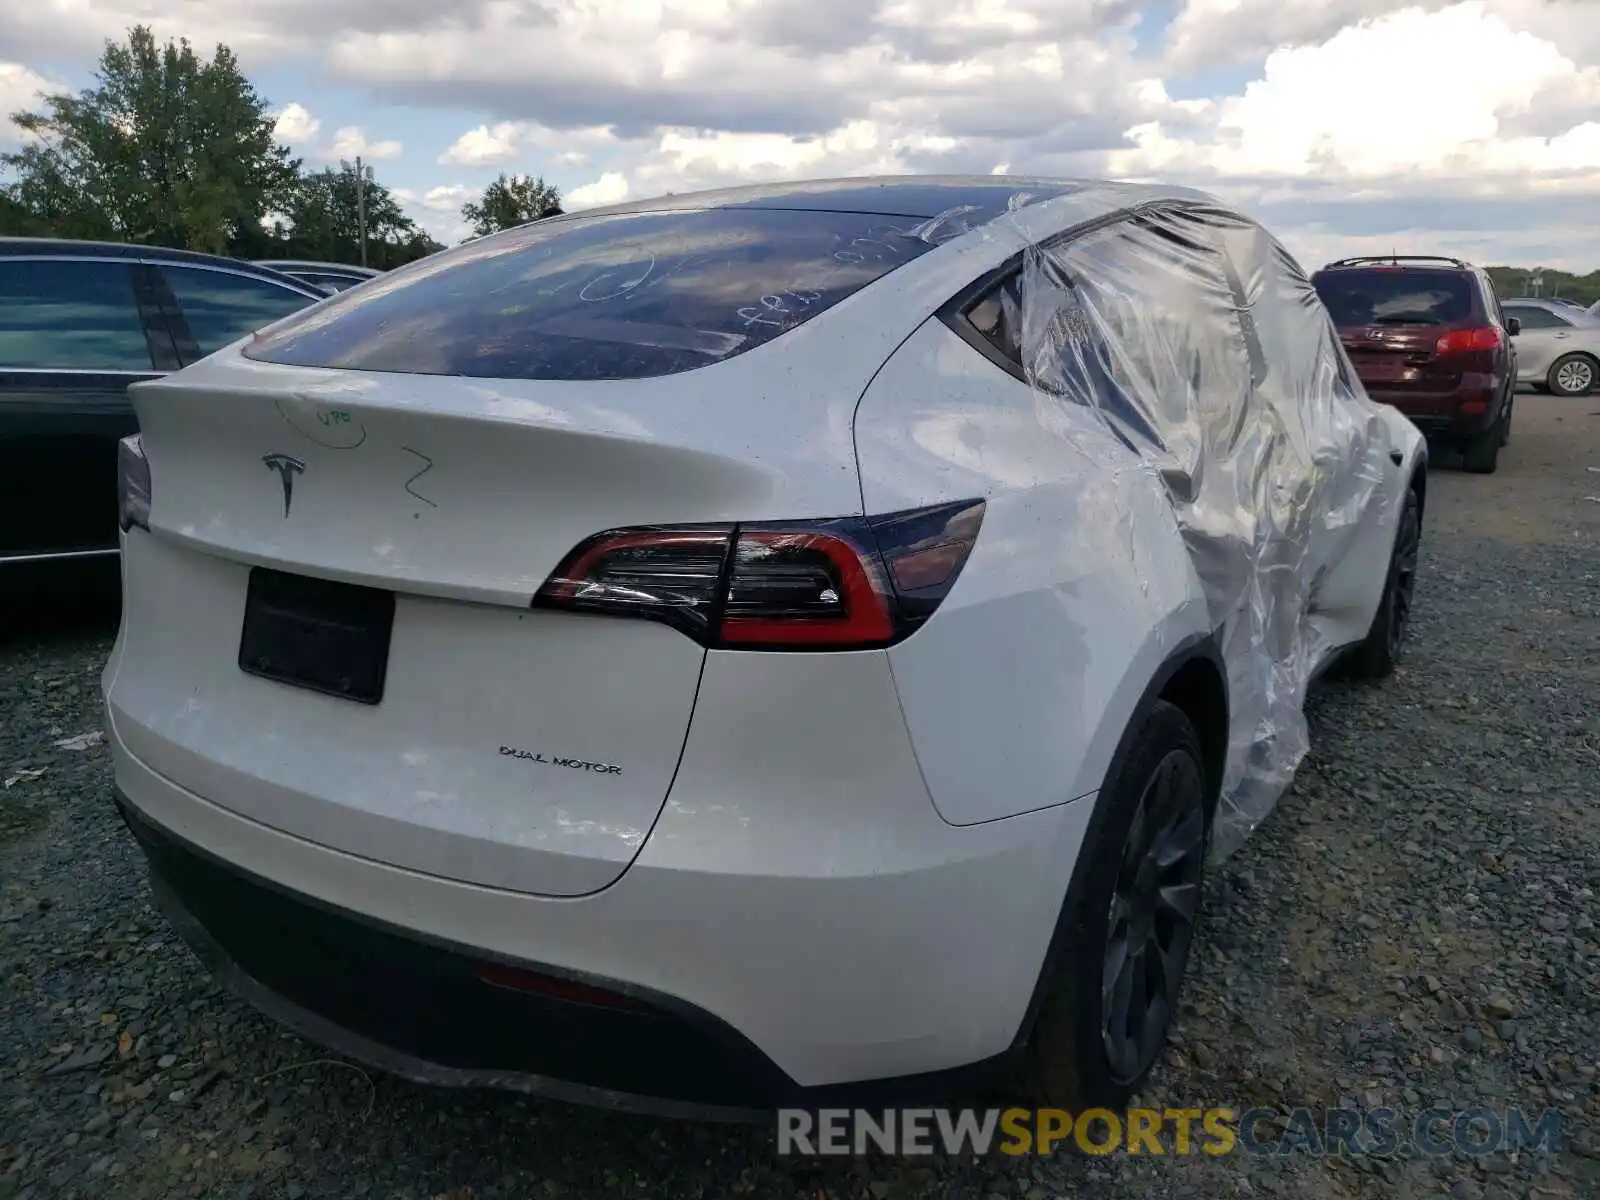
(1513, 326)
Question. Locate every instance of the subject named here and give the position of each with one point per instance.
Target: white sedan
(756, 647)
(1558, 346)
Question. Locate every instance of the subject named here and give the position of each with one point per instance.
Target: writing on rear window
(607, 297)
(1408, 297)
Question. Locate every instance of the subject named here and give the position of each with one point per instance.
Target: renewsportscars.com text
(1377, 1132)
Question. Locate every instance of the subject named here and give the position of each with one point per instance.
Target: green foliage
(1511, 282)
(16, 220)
(321, 222)
(166, 148)
(512, 200)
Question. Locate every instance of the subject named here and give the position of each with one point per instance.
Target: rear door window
(220, 307)
(1391, 297)
(1534, 317)
(70, 315)
(624, 296)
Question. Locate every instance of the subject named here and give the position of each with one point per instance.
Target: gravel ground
(1415, 925)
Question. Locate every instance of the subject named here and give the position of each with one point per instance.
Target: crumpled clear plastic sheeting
(1201, 346)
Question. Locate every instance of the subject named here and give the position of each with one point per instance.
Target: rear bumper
(741, 995)
(1466, 412)
(422, 1009)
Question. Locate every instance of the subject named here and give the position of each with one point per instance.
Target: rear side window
(997, 316)
(1534, 317)
(1389, 297)
(625, 296)
(221, 307)
(70, 315)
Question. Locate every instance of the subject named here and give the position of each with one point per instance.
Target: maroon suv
(1427, 335)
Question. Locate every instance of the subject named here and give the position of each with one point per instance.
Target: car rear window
(620, 296)
(1391, 297)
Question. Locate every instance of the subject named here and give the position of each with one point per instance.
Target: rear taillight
(133, 484)
(847, 584)
(1464, 341)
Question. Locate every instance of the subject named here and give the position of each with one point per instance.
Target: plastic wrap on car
(1200, 344)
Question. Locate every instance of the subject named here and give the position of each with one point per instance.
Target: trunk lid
(507, 746)
(1400, 358)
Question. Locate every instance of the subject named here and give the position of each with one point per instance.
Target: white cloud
(1410, 95)
(351, 141)
(1209, 34)
(20, 91)
(483, 147)
(531, 145)
(1361, 119)
(610, 188)
(445, 198)
(438, 210)
(295, 125)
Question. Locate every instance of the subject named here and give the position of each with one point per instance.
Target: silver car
(1558, 346)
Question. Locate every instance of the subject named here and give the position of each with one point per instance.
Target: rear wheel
(1380, 652)
(1573, 375)
(1130, 924)
(1481, 455)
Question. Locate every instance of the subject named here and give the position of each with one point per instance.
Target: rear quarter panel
(1079, 587)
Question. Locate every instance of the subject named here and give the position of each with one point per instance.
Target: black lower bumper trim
(422, 1009)
(1437, 427)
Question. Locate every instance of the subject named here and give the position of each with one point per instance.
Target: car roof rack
(1397, 259)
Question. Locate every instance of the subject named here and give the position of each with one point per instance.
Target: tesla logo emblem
(1375, 334)
(287, 468)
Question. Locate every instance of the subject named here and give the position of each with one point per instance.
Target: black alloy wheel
(1152, 916)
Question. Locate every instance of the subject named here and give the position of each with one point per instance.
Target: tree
(166, 148)
(1512, 282)
(17, 220)
(322, 221)
(512, 200)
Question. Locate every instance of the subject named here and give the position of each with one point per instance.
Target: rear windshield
(1390, 297)
(611, 297)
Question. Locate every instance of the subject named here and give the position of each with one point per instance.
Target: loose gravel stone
(1413, 926)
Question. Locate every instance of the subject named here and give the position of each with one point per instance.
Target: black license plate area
(317, 634)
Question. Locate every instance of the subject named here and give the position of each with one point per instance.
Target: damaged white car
(758, 648)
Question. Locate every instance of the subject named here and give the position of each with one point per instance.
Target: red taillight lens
(1462, 341)
(802, 587)
(671, 575)
(851, 583)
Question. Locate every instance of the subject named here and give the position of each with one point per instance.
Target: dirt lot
(1413, 927)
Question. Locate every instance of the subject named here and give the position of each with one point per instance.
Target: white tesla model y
(752, 648)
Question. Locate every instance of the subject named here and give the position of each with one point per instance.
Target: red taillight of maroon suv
(853, 583)
(1465, 341)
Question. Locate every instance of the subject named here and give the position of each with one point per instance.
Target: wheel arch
(1418, 483)
(1195, 679)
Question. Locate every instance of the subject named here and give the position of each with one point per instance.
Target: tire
(1573, 375)
(1505, 419)
(1481, 455)
(1380, 651)
(1076, 1055)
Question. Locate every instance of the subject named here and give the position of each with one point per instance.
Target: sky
(1345, 126)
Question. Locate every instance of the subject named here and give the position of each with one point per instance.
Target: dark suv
(1428, 336)
(79, 322)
